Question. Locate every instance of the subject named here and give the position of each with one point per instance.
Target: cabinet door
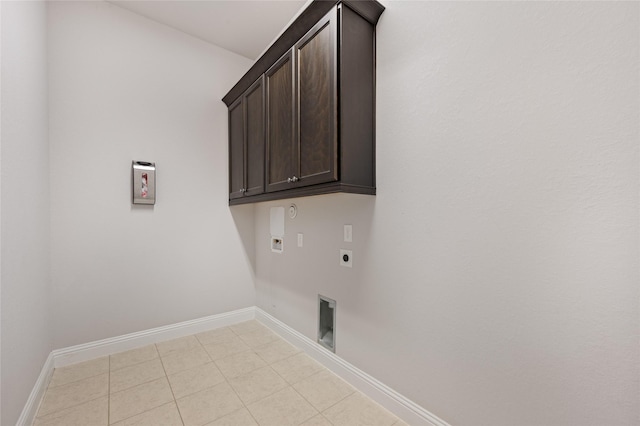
(317, 107)
(254, 138)
(280, 124)
(236, 150)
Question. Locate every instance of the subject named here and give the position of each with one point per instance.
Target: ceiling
(244, 27)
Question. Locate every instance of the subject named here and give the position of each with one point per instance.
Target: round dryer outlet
(293, 211)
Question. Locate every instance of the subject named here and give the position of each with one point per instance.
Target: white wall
(495, 275)
(24, 194)
(125, 88)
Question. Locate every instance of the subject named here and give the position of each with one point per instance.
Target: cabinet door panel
(254, 118)
(236, 149)
(279, 80)
(317, 113)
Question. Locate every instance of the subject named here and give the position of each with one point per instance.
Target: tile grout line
(175, 401)
(147, 411)
(239, 399)
(153, 380)
(354, 390)
(285, 380)
(323, 369)
(244, 405)
(72, 382)
(225, 378)
(296, 391)
(70, 407)
(109, 395)
(141, 383)
(75, 382)
(38, 415)
(211, 361)
(135, 363)
(230, 355)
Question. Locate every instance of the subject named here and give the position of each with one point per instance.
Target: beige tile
(132, 357)
(224, 349)
(258, 338)
(248, 327)
(238, 364)
(283, 408)
(139, 399)
(297, 367)
(219, 335)
(195, 379)
(208, 405)
(93, 413)
(76, 372)
(135, 375)
(318, 420)
(183, 344)
(76, 393)
(176, 362)
(323, 389)
(238, 418)
(165, 415)
(257, 384)
(276, 351)
(357, 409)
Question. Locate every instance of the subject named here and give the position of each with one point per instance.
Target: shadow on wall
(243, 218)
(288, 284)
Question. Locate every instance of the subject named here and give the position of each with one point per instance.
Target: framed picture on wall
(143, 182)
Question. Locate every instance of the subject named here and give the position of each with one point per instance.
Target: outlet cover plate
(346, 258)
(348, 233)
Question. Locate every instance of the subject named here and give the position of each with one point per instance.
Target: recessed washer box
(327, 322)
(276, 227)
(277, 245)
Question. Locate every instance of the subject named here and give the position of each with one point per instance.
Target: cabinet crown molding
(368, 9)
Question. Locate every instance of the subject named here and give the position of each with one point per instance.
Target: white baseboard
(92, 350)
(79, 353)
(33, 403)
(405, 409)
(402, 407)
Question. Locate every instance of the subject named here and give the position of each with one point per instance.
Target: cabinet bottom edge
(304, 192)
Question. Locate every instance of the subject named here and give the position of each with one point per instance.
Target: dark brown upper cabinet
(246, 143)
(319, 108)
(280, 123)
(316, 77)
(301, 111)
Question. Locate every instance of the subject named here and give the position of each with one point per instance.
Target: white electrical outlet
(346, 258)
(348, 233)
(300, 240)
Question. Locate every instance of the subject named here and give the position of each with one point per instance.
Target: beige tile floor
(238, 375)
